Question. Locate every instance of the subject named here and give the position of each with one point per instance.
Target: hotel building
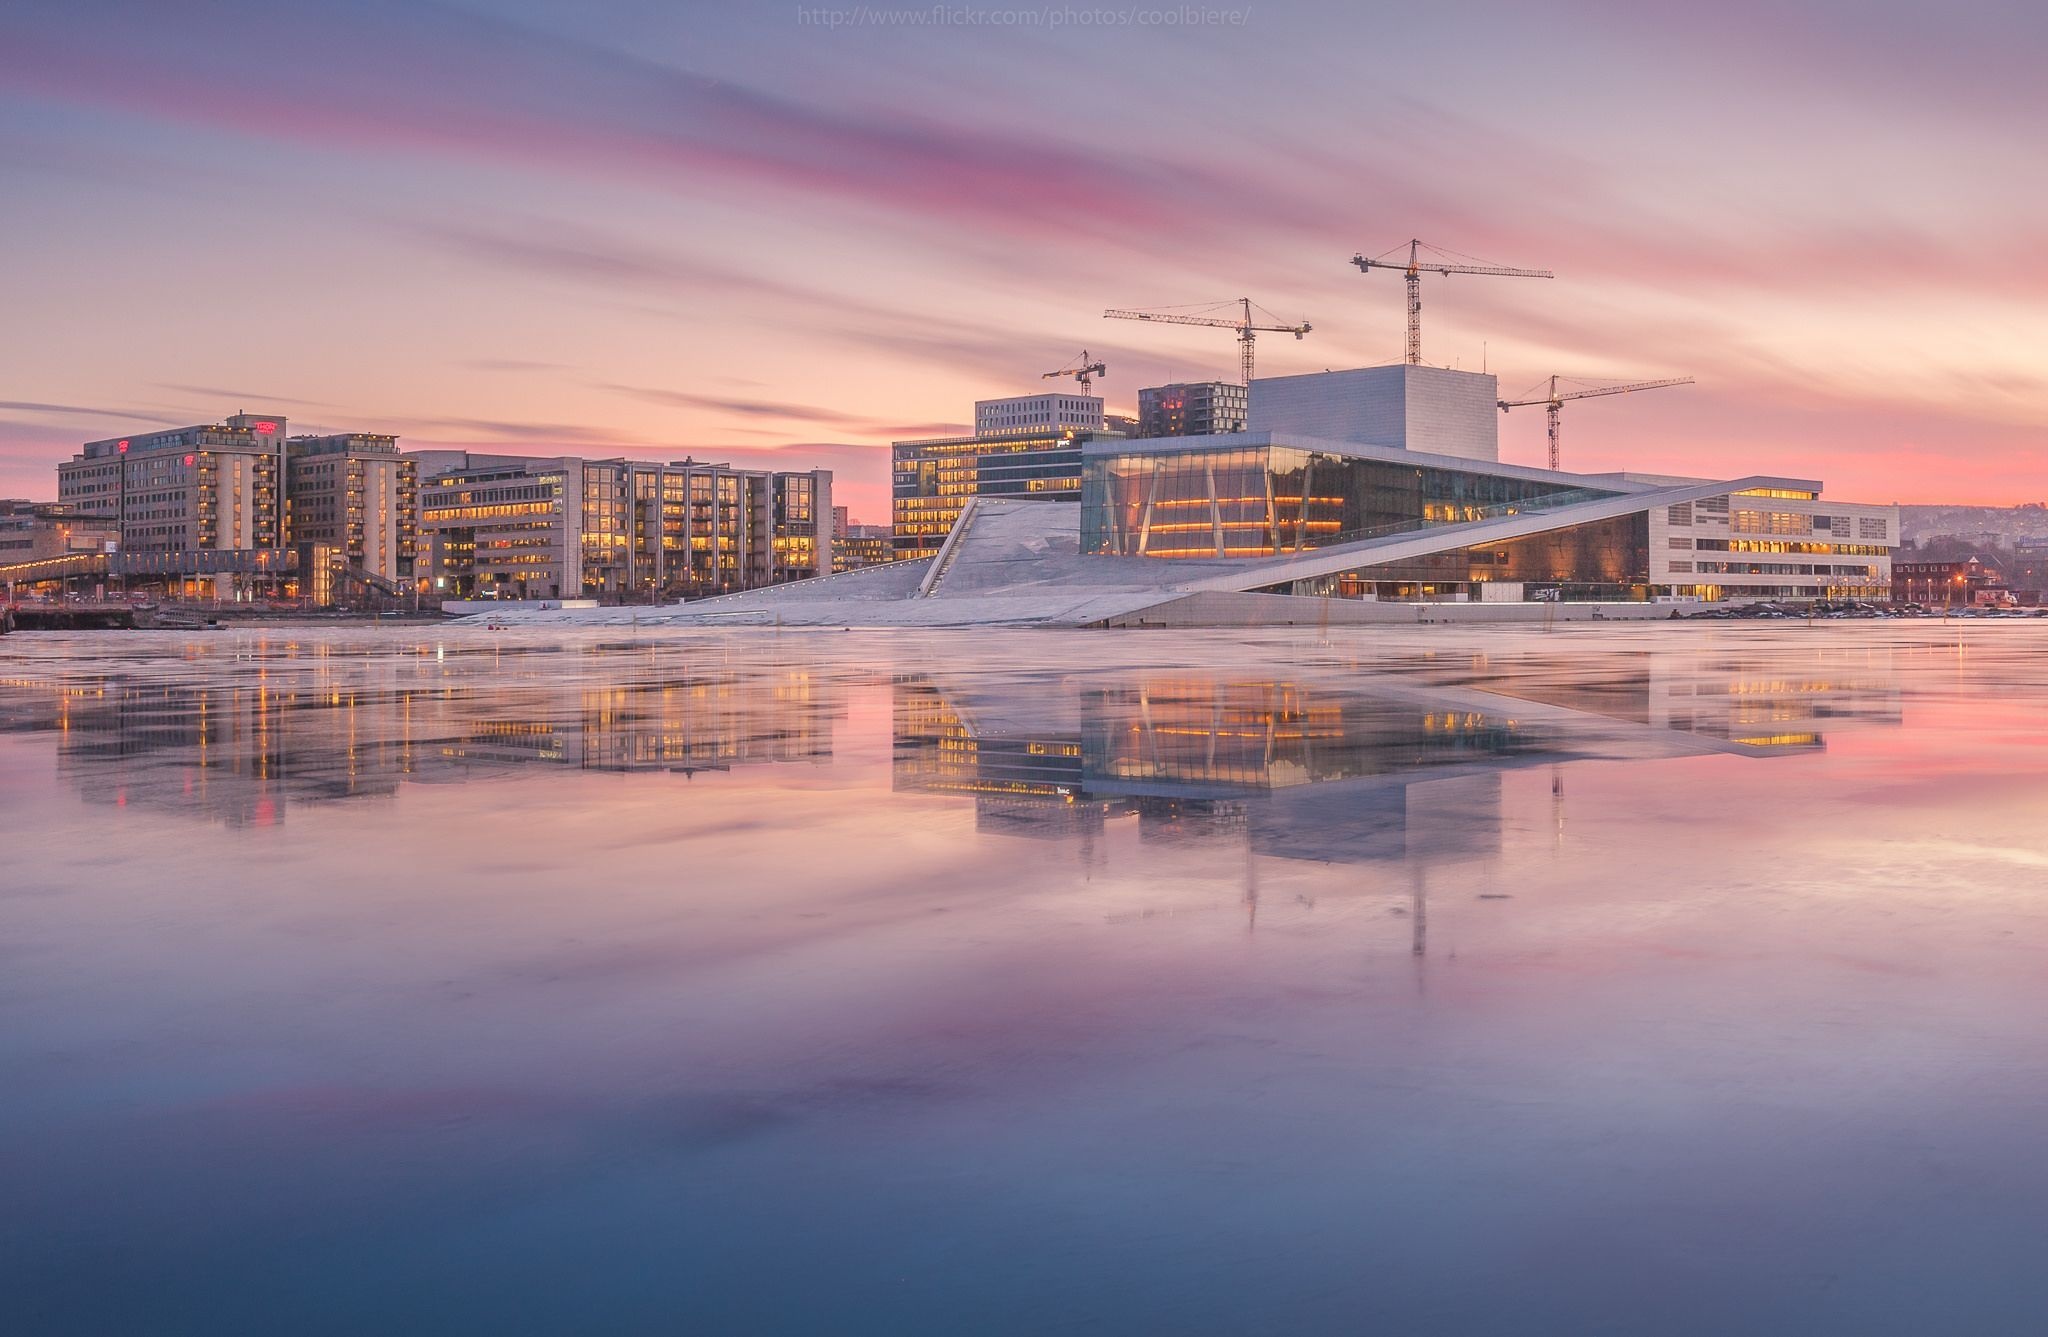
(191, 502)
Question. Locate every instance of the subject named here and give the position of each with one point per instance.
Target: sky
(789, 234)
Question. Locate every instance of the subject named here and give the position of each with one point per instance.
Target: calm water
(1633, 980)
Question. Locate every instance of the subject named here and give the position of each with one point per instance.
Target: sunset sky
(659, 228)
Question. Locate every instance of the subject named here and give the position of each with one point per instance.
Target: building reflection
(1295, 770)
(1401, 767)
(246, 752)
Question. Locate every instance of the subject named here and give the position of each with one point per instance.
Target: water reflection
(1331, 766)
(1394, 768)
(1114, 983)
(246, 750)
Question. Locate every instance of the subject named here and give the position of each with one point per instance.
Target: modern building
(1274, 525)
(354, 504)
(1033, 415)
(1550, 536)
(195, 506)
(1195, 408)
(1028, 446)
(620, 530)
(1430, 409)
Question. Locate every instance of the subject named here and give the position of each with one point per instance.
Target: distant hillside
(1998, 525)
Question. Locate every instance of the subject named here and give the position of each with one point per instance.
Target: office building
(1028, 446)
(496, 526)
(1196, 408)
(863, 545)
(1033, 415)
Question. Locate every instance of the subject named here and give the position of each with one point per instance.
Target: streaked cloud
(611, 227)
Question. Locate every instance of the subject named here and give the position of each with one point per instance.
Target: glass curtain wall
(1599, 560)
(1258, 501)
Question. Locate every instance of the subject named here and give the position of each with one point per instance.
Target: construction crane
(1554, 401)
(1417, 265)
(1247, 329)
(1084, 372)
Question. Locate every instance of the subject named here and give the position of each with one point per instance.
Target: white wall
(1428, 409)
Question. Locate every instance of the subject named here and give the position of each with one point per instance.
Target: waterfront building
(1195, 408)
(1554, 536)
(1027, 446)
(1430, 409)
(354, 503)
(621, 530)
(195, 506)
(1970, 582)
(32, 531)
(1276, 526)
(51, 542)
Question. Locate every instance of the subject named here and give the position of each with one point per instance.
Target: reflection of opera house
(1342, 772)
(1357, 496)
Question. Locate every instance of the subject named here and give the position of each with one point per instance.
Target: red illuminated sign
(123, 447)
(191, 459)
(266, 427)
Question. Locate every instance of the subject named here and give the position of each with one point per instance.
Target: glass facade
(627, 531)
(1599, 560)
(932, 480)
(1261, 500)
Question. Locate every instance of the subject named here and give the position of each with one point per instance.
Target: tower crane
(1083, 373)
(1417, 265)
(1247, 329)
(1554, 401)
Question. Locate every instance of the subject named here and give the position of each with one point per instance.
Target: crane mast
(1247, 328)
(1418, 265)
